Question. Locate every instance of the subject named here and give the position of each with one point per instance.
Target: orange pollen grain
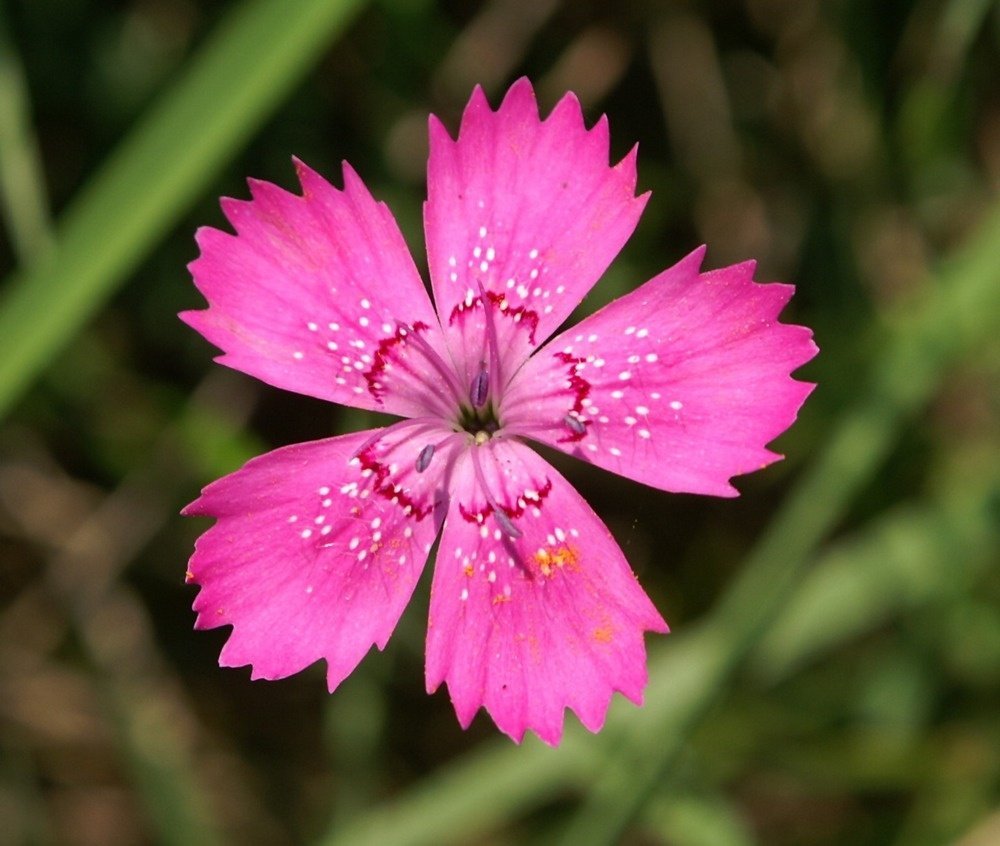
(604, 634)
(467, 569)
(549, 560)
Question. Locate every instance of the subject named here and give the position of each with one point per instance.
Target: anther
(576, 424)
(424, 459)
(480, 387)
(502, 520)
(506, 524)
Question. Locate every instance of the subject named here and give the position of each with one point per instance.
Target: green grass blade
(229, 88)
(22, 186)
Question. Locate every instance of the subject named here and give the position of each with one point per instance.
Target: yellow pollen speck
(467, 569)
(549, 560)
(189, 576)
(500, 598)
(482, 437)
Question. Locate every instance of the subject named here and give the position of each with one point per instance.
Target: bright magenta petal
(310, 295)
(680, 384)
(527, 627)
(314, 553)
(528, 209)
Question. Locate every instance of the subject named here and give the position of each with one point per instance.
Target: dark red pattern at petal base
(385, 350)
(526, 317)
(580, 388)
(529, 498)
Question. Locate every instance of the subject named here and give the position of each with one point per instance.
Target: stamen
(480, 388)
(380, 434)
(424, 459)
(447, 373)
(576, 424)
(492, 341)
(505, 524)
(503, 521)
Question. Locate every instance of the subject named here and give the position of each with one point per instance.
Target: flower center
(481, 423)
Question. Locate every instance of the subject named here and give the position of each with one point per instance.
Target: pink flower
(318, 546)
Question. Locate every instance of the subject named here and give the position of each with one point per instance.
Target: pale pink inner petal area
(525, 208)
(527, 626)
(679, 384)
(314, 294)
(316, 549)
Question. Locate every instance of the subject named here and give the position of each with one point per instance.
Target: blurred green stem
(22, 184)
(241, 74)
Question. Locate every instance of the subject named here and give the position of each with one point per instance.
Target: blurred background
(834, 672)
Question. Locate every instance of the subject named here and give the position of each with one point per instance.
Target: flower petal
(679, 384)
(527, 626)
(310, 295)
(316, 550)
(528, 209)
